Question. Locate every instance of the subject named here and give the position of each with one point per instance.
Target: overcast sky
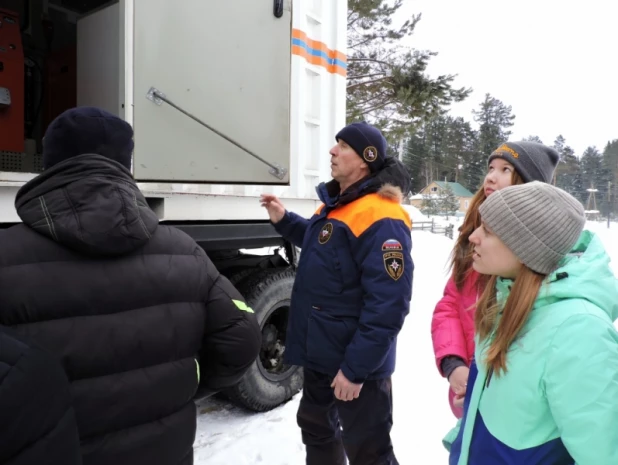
(554, 62)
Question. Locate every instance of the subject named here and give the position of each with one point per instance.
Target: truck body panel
(316, 44)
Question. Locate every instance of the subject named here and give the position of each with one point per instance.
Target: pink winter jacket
(452, 325)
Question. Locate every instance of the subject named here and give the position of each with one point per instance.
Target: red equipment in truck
(11, 84)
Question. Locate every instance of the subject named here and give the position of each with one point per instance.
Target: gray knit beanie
(533, 161)
(537, 221)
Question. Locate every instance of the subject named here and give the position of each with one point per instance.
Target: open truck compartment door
(228, 65)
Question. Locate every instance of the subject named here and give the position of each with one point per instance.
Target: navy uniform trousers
(360, 429)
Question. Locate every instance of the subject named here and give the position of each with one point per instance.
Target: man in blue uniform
(350, 298)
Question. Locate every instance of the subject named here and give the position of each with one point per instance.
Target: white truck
(228, 100)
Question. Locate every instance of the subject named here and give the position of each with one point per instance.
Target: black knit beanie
(533, 161)
(367, 141)
(84, 130)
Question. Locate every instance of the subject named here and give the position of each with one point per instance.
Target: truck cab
(228, 100)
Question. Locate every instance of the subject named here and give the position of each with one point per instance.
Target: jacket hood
(89, 204)
(583, 274)
(393, 181)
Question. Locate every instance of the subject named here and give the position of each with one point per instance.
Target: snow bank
(415, 213)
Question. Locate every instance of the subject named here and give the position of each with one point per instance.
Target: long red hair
(461, 256)
(515, 312)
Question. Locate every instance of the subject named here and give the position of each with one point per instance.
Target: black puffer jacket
(127, 305)
(37, 421)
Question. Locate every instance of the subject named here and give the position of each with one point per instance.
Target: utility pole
(591, 205)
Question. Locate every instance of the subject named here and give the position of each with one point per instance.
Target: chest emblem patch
(325, 233)
(393, 262)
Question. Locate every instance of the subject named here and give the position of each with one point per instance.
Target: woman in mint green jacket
(545, 376)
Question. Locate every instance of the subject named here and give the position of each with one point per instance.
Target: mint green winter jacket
(558, 402)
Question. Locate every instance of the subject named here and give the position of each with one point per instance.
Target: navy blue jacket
(354, 279)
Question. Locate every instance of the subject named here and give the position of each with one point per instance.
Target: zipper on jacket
(489, 375)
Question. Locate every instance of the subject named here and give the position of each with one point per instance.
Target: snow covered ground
(230, 435)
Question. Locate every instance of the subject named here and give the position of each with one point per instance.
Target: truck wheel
(268, 382)
(238, 274)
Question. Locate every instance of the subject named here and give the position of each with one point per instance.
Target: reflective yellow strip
(197, 366)
(242, 306)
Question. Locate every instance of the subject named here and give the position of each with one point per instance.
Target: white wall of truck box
(318, 91)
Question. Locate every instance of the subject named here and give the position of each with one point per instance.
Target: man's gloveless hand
(273, 205)
(344, 389)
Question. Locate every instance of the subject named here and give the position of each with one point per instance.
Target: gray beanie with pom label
(538, 222)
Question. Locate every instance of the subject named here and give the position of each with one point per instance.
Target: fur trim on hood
(391, 192)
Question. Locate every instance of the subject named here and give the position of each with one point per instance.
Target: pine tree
(610, 164)
(533, 139)
(414, 157)
(430, 205)
(423, 152)
(474, 170)
(568, 172)
(591, 167)
(494, 119)
(559, 143)
(387, 83)
(449, 202)
(439, 149)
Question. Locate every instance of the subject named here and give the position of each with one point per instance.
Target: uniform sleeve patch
(391, 244)
(393, 262)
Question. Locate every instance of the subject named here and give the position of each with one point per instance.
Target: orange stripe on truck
(317, 53)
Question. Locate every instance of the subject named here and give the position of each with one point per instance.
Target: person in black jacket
(37, 421)
(136, 311)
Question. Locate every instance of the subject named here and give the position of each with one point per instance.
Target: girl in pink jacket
(452, 325)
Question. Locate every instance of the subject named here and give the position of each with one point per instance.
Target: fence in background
(434, 228)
